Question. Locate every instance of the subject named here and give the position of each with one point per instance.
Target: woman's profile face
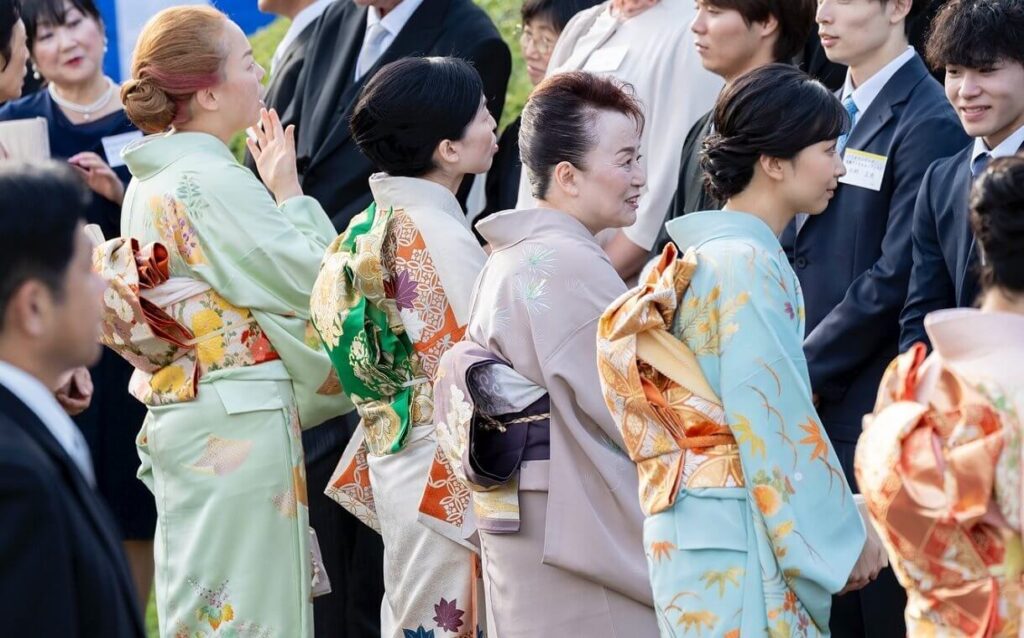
(71, 53)
(812, 177)
(13, 74)
(478, 144)
(611, 180)
(240, 94)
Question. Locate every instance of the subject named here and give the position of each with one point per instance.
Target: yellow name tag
(864, 169)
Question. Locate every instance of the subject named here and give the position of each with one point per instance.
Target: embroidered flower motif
(139, 332)
(402, 289)
(538, 259)
(447, 615)
(210, 350)
(116, 303)
(222, 456)
(789, 310)
(414, 325)
(419, 632)
(532, 294)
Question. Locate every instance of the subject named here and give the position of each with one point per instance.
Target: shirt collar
(867, 92)
(1009, 147)
(38, 398)
(395, 19)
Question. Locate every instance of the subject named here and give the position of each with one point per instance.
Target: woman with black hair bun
(392, 296)
(13, 52)
(946, 437)
(751, 526)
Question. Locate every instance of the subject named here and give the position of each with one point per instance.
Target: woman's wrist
(284, 194)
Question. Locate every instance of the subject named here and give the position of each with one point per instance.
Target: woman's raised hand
(273, 148)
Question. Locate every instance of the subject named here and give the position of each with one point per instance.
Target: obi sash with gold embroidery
(941, 476)
(172, 330)
(364, 335)
(671, 420)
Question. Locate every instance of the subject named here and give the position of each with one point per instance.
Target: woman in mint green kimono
(751, 526)
(209, 299)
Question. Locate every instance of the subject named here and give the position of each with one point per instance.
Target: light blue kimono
(764, 558)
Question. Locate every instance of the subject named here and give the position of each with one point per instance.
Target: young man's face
(989, 101)
(74, 317)
(727, 45)
(853, 30)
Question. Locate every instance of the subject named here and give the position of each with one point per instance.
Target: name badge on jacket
(113, 144)
(606, 60)
(864, 169)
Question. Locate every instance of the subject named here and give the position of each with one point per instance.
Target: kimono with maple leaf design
(221, 446)
(763, 558)
(392, 297)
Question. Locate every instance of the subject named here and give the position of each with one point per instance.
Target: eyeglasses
(543, 45)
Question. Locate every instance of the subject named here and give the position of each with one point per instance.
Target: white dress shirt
(392, 24)
(866, 93)
(1008, 147)
(41, 401)
(303, 19)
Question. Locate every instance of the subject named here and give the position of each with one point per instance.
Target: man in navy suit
(979, 44)
(62, 571)
(853, 261)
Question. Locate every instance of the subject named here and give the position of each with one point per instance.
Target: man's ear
(28, 309)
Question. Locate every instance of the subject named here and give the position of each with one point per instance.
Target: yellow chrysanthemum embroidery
(169, 379)
(210, 350)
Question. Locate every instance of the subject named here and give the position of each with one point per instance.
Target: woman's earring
(105, 47)
(36, 76)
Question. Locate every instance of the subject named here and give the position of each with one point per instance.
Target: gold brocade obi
(172, 330)
(671, 420)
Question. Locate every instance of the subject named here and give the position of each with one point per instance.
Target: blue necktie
(979, 164)
(851, 108)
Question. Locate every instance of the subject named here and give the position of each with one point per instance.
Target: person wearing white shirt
(647, 44)
(854, 260)
(64, 572)
(978, 44)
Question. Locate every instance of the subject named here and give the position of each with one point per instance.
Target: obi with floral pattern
(939, 464)
(172, 330)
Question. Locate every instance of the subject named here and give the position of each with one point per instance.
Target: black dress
(112, 422)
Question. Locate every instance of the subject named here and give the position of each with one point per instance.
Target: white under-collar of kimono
(513, 226)
(986, 343)
(414, 193)
(453, 248)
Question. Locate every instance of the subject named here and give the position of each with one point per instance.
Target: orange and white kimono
(939, 464)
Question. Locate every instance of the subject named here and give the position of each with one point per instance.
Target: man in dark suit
(733, 39)
(63, 572)
(341, 58)
(979, 45)
(853, 260)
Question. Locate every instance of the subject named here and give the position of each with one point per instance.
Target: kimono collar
(698, 228)
(153, 153)
(962, 335)
(513, 226)
(412, 193)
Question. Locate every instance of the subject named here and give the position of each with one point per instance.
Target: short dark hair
(997, 200)
(10, 13)
(775, 110)
(795, 17)
(40, 207)
(36, 13)
(557, 12)
(977, 33)
(409, 107)
(557, 120)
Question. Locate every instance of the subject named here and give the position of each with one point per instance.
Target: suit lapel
(895, 92)
(324, 86)
(22, 416)
(294, 50)
(416, 38)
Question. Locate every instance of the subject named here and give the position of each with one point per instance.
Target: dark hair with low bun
(775, 111)
(557, 123)
(10, 13)
(997, 217)
(409, 107)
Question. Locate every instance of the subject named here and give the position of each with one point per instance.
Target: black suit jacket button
(801, 262)
(302, 164)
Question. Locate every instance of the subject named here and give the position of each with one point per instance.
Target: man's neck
(762, 58)
(32, 365)
(864, 70)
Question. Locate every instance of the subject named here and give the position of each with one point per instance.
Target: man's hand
(75, 393)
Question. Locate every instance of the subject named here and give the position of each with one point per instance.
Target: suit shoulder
(467, 19)
(946, 168)
(21, 457)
